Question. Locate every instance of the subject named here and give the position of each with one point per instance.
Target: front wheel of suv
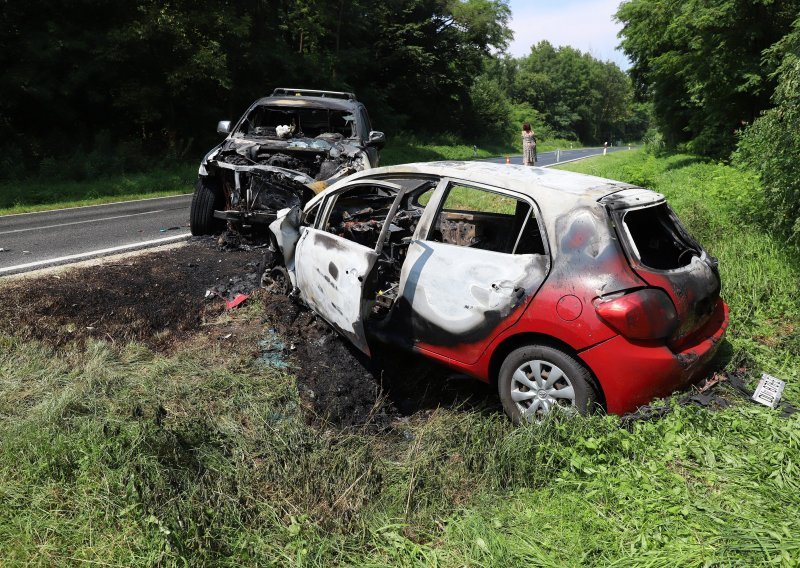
(207, 197)
(535, 380)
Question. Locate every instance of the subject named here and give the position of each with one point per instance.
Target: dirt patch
(341, 386)
(335, 382)
(156, 298)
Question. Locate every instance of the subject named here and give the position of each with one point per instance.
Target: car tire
(276, 281)
(527, 399)
(206, 199)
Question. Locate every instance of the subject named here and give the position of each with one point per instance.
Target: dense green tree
(578, 96)
(162, 72)
(700, 62)
(771, 146)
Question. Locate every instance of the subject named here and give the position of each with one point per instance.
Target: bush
(770, 146)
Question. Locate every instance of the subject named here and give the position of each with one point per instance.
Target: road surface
(35, 240)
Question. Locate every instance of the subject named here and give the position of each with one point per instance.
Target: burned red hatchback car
(568, 291)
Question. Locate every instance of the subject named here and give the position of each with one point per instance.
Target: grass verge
(117, 455)
(406, 148)
(28, 196)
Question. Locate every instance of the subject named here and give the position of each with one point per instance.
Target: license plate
(769, 390)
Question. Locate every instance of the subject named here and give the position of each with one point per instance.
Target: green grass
(403, 149)
(42, 194)
(117, 455)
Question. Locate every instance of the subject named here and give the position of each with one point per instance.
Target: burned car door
(334, 259)
(478, 256)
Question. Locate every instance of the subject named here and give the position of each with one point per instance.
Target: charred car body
(286, 148)
(567, 290)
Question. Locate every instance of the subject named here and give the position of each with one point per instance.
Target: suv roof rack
(283, 91)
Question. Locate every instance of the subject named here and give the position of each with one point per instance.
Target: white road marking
(572, 160)
(97, 205)
(82, 222)
(101, 252)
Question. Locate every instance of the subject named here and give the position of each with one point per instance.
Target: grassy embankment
(93, 469)
(44, 193)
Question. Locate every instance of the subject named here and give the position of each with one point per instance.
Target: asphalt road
(36, 240)
(551, 158)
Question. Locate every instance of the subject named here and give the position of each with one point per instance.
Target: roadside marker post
(508, 160)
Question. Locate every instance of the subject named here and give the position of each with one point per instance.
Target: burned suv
(285, 149)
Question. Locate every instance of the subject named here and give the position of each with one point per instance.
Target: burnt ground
(341, 386)
(159, 299)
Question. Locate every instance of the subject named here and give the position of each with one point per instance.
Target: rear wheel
(538, 379)
(207, 197)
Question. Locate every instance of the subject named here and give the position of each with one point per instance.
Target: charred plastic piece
(284, 150)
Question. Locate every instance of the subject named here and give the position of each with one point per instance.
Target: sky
(586, 25)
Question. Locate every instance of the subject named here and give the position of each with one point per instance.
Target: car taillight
(644, 314)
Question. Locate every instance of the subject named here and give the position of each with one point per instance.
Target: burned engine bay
(281, 156)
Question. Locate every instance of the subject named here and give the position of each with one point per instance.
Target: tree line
(113, 84)
(723, 77)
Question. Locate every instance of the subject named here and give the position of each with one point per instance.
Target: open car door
(335, 260)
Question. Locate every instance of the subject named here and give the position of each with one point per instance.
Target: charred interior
(498, 223)
(658, 238)
(359, 216)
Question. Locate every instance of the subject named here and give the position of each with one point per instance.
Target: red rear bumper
(633, 373)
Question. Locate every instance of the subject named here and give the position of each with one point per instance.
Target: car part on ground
(472, 264)
(285, 149)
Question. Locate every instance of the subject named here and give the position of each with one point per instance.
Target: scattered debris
(272, 349)
(169, 229)
(769, 391)
(706, 394)
(237, 301)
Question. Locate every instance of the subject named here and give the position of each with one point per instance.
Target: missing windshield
(298, 123)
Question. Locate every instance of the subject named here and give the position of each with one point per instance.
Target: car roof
(308, 102)
(539, 183)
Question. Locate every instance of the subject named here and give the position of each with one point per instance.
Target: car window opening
(658, 239)
(485, 220)
(304, 123)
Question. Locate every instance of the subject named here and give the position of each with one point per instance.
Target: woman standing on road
(528, 145)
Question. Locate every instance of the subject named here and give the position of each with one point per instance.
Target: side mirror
(377, 139)
(224, 127)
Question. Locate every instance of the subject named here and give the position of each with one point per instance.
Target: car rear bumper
(633, 373)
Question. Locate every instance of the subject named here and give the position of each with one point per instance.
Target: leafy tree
(578, 96)
(772, 144)
(700, 61)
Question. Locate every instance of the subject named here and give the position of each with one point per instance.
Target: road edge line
(95, 205)
(91, 254)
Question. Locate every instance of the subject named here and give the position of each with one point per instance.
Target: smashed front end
(257, 180)
(280, 156)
